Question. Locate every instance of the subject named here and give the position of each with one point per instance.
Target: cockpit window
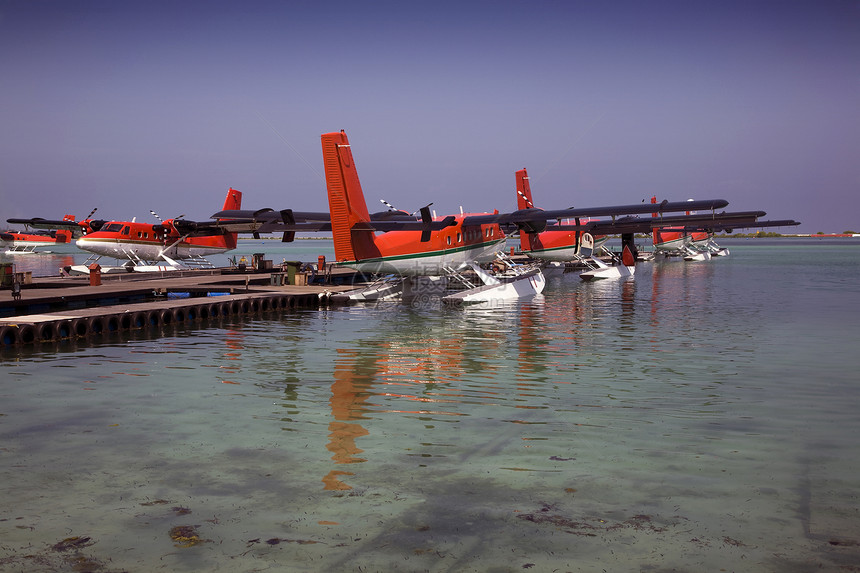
(112, 227)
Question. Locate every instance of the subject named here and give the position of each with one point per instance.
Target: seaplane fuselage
(669, 240)
(403, 253)
(125, 239)
(557, 246)
(17, 239)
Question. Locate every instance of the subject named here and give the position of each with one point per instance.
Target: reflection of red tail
(627, 257)
(346, 201)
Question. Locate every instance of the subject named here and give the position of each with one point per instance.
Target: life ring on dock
(180, 315)
(213, 310)
(311, 272)
(80, 327)
(265, 304)
(291, 302)
(95, 325)
(45, 332)
(235, 307)
(192, 313)
(26, 334)
(254, 305)
(153, 318)
(224, 308)
(243, 307)
(166, 316)
(8, 335)
(63, 330)
(112, 323)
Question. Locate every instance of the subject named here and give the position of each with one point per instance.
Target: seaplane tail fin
(233, 201)
(524, 191)
(524, 201)
(346, 201)
(656, 237)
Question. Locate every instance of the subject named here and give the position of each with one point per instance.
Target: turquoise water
(699, 417)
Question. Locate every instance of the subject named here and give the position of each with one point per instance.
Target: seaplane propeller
(288, 219)
(395, 213)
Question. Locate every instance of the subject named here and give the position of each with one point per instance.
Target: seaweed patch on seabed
(65, 555)
(592, 527)
(186, 536)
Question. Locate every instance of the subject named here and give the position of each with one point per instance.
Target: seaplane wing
(69, 224)
(729, 227)
(536, 220)
(290, 222)
(48, 224)
(647, 224)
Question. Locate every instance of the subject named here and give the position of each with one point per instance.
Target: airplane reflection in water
(435, 380)
(467, 366)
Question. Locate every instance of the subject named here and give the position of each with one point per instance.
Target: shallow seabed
(699, 417)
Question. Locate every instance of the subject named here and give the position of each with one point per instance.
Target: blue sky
(132, 106)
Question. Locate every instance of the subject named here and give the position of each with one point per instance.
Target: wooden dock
(69, 308)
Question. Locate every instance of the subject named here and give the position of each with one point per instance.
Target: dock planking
(57, 309)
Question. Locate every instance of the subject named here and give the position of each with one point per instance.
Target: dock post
(95, 274)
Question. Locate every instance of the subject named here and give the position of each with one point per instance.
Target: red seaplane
(171, 244)
(47, 233)
(568, 242)
(697, 243)
(18, 243)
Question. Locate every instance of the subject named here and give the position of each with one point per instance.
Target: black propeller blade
(288, 219)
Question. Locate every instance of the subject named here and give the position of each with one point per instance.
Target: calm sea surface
(698, 417)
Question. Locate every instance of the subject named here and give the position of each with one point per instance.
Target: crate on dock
(24, 277)
(277, 279)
